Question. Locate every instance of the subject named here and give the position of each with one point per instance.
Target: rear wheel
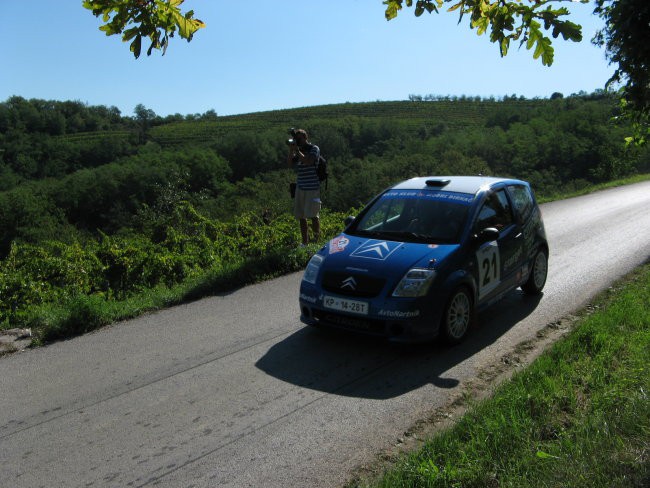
(458, 316)
(537, 278)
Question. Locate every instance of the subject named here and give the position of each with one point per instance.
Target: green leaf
(545, 455)
(569, 31)
(481, 24)
(186, 26)
(504, 45)
(545, 49)
(136, 46)
(392, 8)
(129, 34)
(533, 35)
(455, 7)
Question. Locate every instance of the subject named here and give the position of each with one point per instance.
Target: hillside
(83, 168)
(413, 115)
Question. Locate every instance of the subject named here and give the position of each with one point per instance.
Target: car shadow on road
(349, 365)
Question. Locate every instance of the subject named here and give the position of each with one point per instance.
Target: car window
(495, 212)
(522, 200)
(385, 213)
(413, 214)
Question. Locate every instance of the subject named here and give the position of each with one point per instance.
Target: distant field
(452, 114)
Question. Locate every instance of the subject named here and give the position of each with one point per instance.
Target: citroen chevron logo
(376, 250)
(380, 248)
(350, 283)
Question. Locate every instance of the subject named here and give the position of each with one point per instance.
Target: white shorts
(306, 204)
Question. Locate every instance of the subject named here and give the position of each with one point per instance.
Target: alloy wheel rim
(458, 315)
(541, 268)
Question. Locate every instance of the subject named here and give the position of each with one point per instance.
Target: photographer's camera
(292, 141)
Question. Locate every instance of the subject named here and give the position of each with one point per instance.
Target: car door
(498, 261)
(526, 214)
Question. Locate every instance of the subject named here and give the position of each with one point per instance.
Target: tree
(134, 19)
(625, 38)
(144, 116)
(507, 20)
(522, 20)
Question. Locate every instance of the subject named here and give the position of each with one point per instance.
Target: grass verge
(593, 188)
(578, 416)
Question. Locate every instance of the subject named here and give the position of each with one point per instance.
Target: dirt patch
(14, 340)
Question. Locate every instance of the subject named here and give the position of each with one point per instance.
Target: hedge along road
(234, 391)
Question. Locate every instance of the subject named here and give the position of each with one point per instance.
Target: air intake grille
(354, 285)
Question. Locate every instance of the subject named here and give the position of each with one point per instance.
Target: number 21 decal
(489, 268)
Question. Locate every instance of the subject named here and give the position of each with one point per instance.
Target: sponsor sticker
(398, 314)
(442, 196)
(307, 298)
(338, 244)
(512, 260)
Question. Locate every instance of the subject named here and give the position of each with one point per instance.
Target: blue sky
(259, 55)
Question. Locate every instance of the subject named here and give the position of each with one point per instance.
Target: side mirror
(487, 235)
(348, 220)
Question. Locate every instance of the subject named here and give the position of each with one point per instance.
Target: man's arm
(291, 155)
(309, 158)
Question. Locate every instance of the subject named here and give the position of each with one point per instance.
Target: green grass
(592, 188)
(578, 416)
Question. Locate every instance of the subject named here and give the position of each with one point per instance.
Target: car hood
(378, 256)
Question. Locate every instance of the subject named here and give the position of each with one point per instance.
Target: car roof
(457, 184)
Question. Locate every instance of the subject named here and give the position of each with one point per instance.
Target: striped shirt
(307, 178)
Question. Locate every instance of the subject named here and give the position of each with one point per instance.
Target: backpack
(321, 170)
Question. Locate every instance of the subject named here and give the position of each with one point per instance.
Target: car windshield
(415, 216)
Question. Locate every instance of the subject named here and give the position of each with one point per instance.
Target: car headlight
(415, 283)
(311, 272)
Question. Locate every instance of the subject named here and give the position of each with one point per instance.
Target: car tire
(458, 316)
(537, 278)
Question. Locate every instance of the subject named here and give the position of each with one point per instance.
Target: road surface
(233, 391)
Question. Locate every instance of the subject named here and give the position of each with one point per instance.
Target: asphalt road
(234, 391)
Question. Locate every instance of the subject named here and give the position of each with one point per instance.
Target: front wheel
(537, 278)
(458, 316)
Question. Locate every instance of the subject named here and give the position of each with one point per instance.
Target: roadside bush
(77, 281)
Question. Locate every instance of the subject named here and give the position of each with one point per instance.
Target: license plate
(344, 305)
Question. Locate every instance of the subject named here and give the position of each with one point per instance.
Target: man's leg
(304, 231)
(315, 226)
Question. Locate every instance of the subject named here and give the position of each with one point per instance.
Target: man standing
(304, 157)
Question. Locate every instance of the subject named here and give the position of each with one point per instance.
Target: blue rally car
(423, 256)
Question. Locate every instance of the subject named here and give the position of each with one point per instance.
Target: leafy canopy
(520, 20)
(625, 38)
(526, 21)
(134, 19)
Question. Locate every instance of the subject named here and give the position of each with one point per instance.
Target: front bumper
(404, 321)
